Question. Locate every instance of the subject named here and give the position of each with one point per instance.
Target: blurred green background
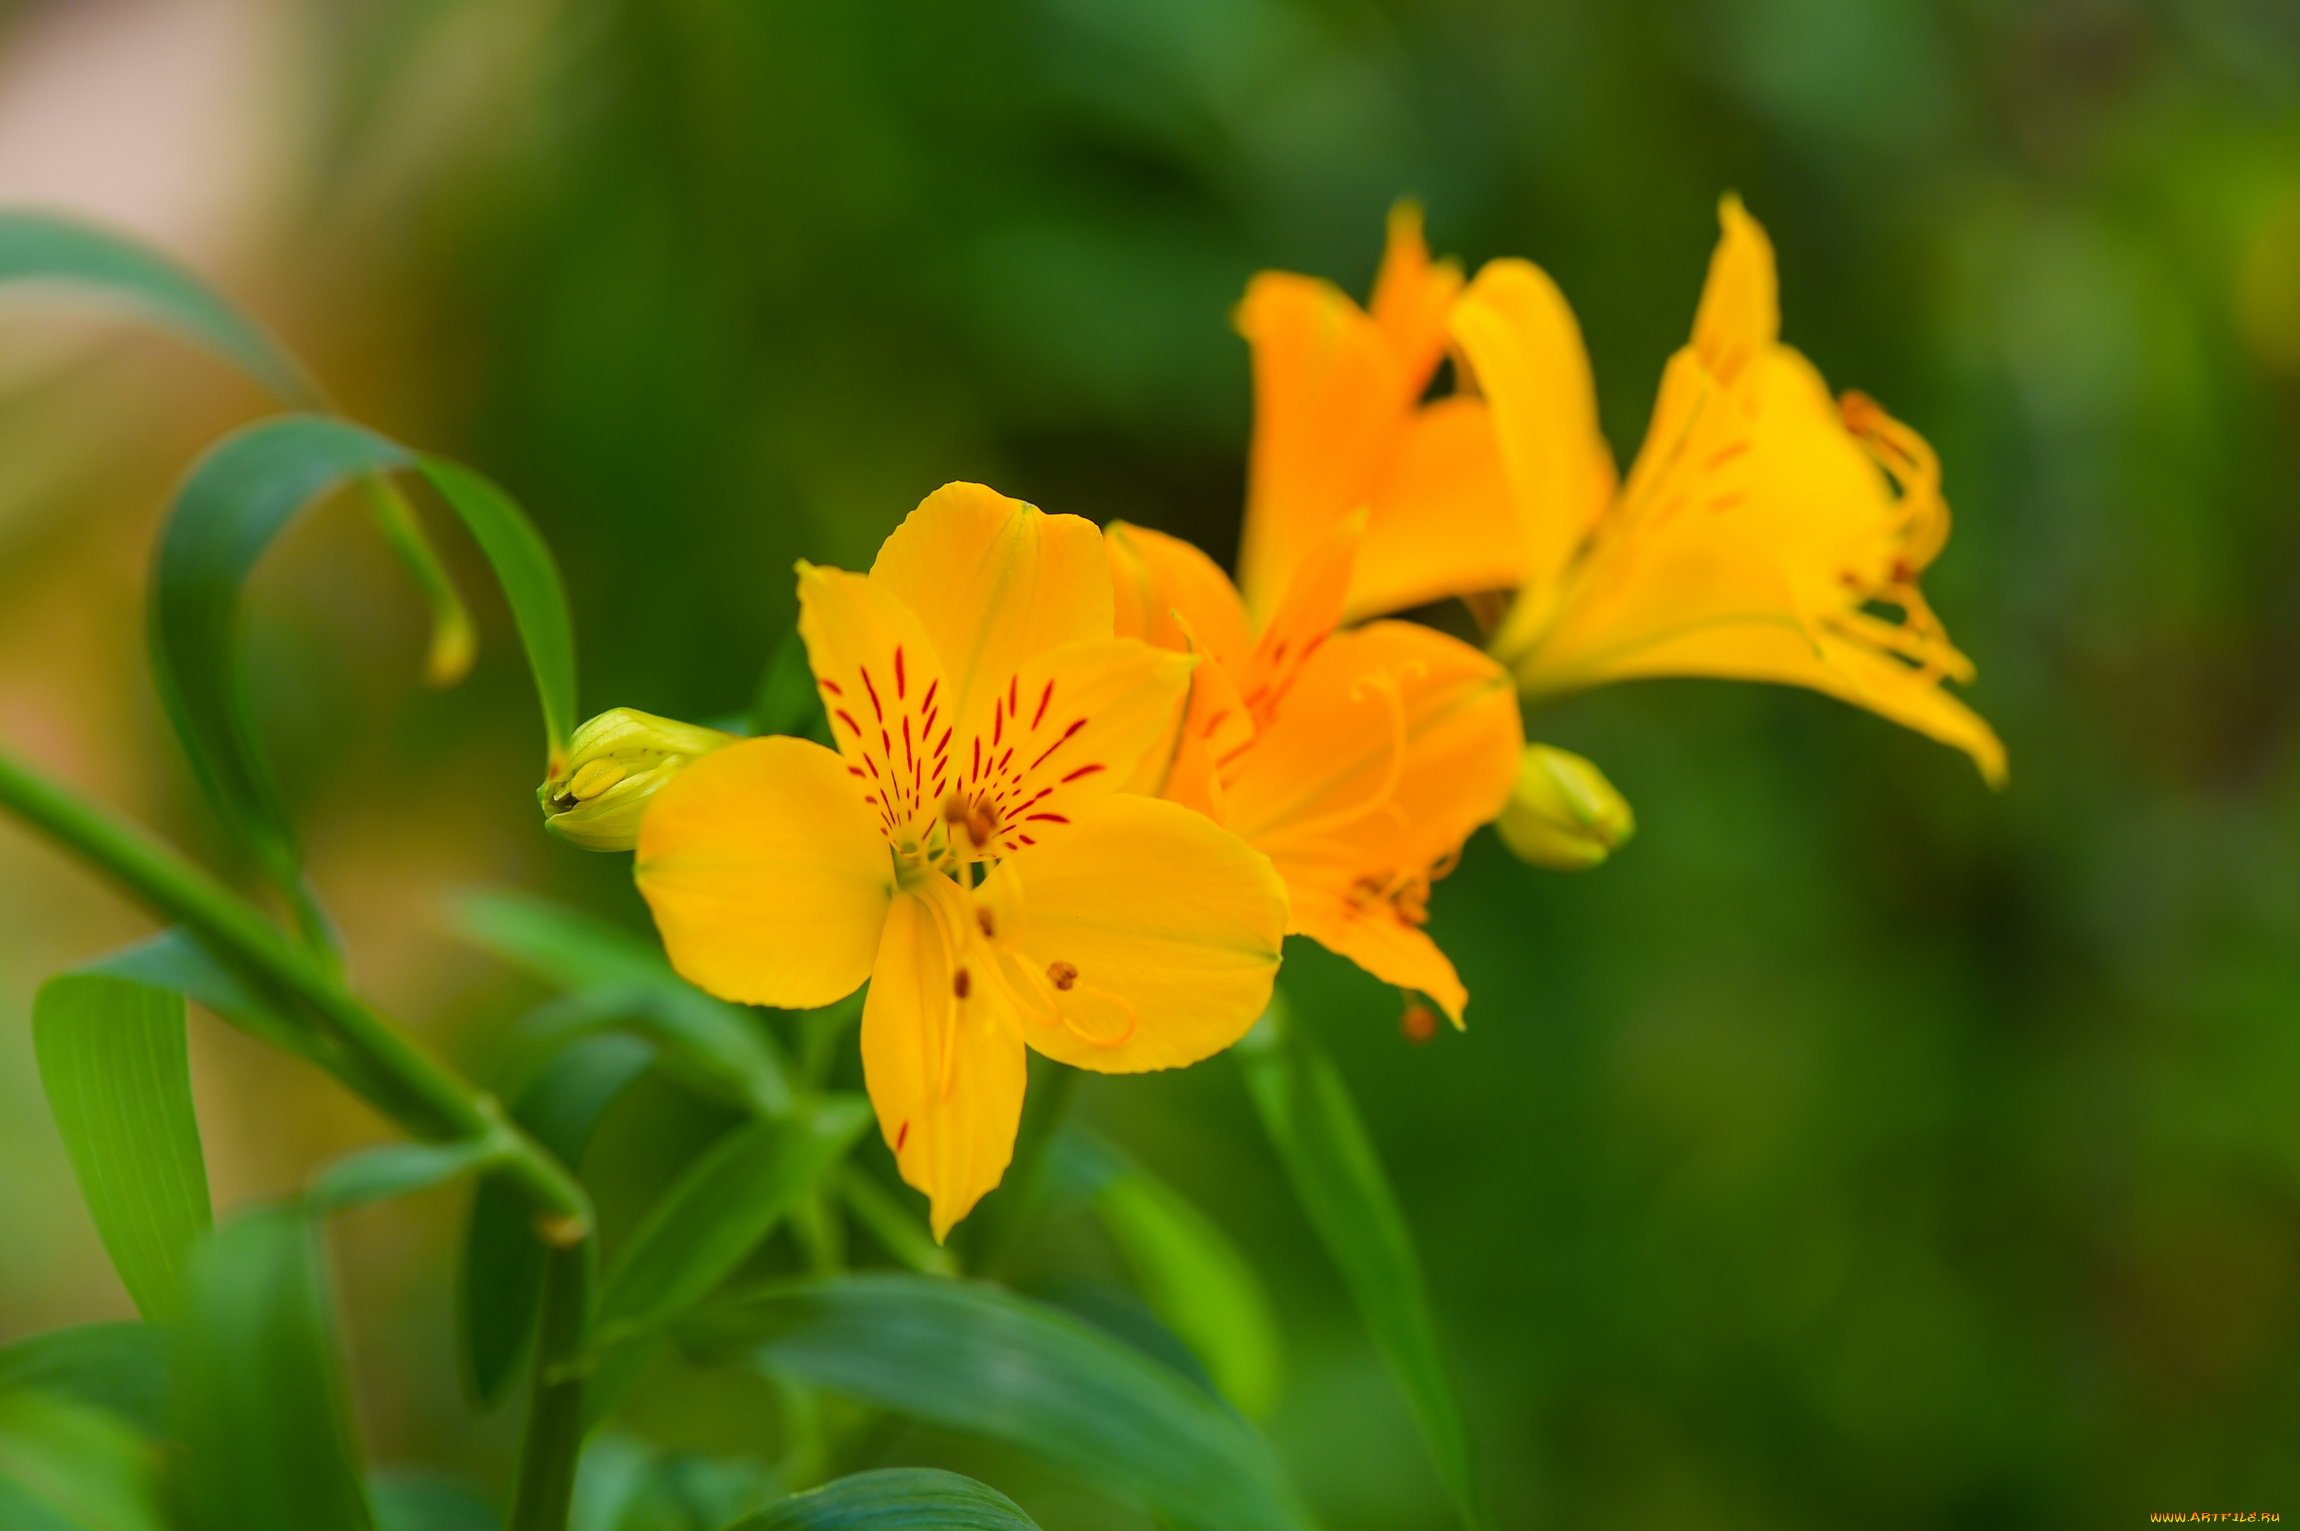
(1861, 1147)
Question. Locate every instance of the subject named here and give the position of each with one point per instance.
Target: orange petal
(767, 876)
(1156, 579)
(1377, 940)
(945, 1072)
(1150, 934)
(885, 694)
(1304, 621)
(1443, 521)
(1330, 397)
(1411, 296)
(995, 583)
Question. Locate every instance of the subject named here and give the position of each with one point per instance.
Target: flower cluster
(1081, 786)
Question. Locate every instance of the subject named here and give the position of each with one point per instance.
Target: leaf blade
(121, 1366)
(258, 1399)
(980, 1361)
(1306, 1108)
(83, 1469)
(894, 1499)
(114, 1064)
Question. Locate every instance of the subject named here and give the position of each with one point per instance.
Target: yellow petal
(945, 1073)
(1740, 313)
(1330, 397)
(766, 873)
(885, 694)
(1071, 727)
(1522, 343)
(1149, 935)
(995, 583)
(1411, 296)
(1442, 521)
(1156, 579)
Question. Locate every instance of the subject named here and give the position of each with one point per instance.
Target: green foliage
(397, 1169)
(1306, 1108)
(894, 1499)
(719, 1210)
(258, 1399)
(976, 1360)
(67, 1467)
(113, 1062)
(423, 1502)
(616, 980)
(1189, 1272)
(120, 1367)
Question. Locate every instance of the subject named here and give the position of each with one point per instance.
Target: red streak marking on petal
(976, 772)
(869, 686)
(1052, 818)
(831, 686)
(932, 686)
(886, 745)
(942, 744)
(872, 764)
(1011, 704)
(906, 739)
(1003, 759)
(1278, 654)
(1043, 698)
(1726, 453)
(1026, 840)
(1084, 770)
(854, 770)
(848, 719)
(1057, 744)
(899, 681)
(901, 1136)
(997, 723)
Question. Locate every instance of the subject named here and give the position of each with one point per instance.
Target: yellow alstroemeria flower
(1358, 761)
(985, 717)
(1765, 531)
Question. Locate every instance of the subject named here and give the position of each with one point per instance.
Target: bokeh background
(1860, 1147)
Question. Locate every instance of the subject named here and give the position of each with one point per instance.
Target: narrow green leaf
(35, 247)
(614, 978)
(502, 1257)
(427, 1502)
(898, 1229)
(1306, 1108)
(259, 1402)
(396, 1169)
(230, 508)
(725, 1203)
(174, 959)
(1187, 1269)
(122, 1367)
(65, 1464)
(113, 1063)
(895, 1499)
(980, 1361)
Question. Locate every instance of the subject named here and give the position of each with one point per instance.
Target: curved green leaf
(1187, 1269)
(122, 1367)
(726, 1202)
(397, 1169)
(427, 1502)
(502, 1257)
(613, 977)
(113, 1063)
(230, 508)
(259, 1403)
(1306, 1108)
(980, 1361)
(66, 1465)
(895, 1499)
(39, 247)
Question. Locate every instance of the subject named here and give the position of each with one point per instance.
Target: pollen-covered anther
(978, 818)
(1062, 975)
(982, 917)
(961, 983)
(595, 777)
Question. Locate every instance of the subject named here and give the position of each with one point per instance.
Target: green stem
(395, 1072)
(554, 1438)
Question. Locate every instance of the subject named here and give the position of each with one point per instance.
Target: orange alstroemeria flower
(1358, 760)
(985, 717)
(1765, 531)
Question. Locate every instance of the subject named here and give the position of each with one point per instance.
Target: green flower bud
(1564, 814)
(614, 764)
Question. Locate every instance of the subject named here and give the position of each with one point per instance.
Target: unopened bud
(614, 764)
(1564, 814)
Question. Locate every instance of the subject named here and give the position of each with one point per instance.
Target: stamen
(960, 983)
(1062, 975)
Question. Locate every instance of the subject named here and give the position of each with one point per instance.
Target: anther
(1418, 1024)
(1062, 975)
(989, 925)
(960, 982)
